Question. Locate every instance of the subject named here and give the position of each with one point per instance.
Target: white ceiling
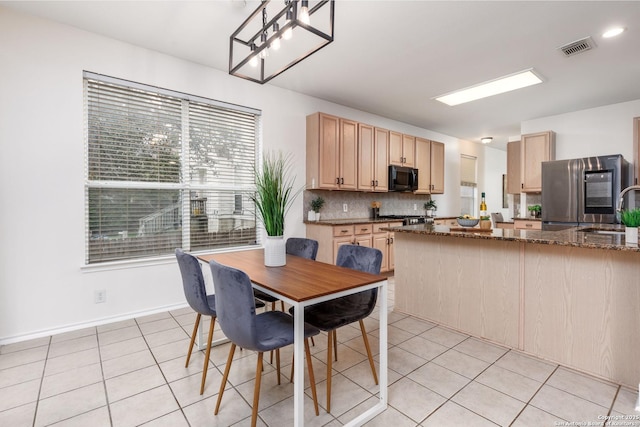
(391, 57)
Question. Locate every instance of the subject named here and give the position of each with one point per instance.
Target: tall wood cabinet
(373, 158)
(332, 152)
(402, 149)
(535, 149)
(430, 164)
(514, 177)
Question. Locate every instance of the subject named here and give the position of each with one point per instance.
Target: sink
(614, 231)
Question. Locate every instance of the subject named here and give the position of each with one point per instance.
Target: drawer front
(363, 229)
(528, 225)
(377, 227)
(343, 230)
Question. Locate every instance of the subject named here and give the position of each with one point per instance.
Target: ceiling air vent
(578, 46)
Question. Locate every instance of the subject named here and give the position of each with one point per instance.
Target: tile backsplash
(359, 203)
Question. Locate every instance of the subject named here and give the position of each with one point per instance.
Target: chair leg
(193, 338)
(273, 307)
(366, 344)
(329, 361)
(335, 344)
(312, 378)
(256, 391)
(278, 364)
(224, 377)
(205, 368)
(282, 305)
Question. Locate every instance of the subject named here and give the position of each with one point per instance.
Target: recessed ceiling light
(493, 87)
(486, 139)
(612, 32)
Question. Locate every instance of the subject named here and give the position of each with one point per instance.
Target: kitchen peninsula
(565, 295)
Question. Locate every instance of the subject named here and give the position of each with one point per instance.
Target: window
(468, 185)
(165, 170)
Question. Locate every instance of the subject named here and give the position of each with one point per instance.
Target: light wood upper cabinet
(514, 177)
(430, 165)
(402, 149)
(373, 158)
(332, 151)
(535, 149)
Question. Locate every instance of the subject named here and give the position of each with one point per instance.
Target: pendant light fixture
(260, 51)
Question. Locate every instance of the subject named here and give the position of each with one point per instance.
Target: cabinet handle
(344, 231)
(341, 180)
(388, 240)
(391, 239)
(376, 183)
(338, 180)
(528, 225)
(521, 185)
(373, 183)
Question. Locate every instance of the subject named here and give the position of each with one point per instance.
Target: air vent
(578, 46)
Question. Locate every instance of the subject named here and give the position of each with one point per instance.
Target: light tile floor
(132, 373)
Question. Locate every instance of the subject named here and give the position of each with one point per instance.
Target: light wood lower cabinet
(507, 225)
(527, 224)
(330, 238)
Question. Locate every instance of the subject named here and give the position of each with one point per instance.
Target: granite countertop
(349, 221)
(563, 236)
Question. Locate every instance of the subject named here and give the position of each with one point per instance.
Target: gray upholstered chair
(195, 292)
(331, 315)
(262, 332)
(298, 246)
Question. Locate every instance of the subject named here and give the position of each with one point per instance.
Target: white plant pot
(317, 216)
(311, 216)
(631, 235)
(275, 251)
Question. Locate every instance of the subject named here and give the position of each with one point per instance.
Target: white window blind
(165, 170)
(468, 185)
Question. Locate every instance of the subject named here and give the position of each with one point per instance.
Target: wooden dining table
(303, 282)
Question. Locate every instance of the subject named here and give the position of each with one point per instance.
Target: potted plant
(430, 207)
(273, 197)
(631, 220)
(316, 205)
(535, 211)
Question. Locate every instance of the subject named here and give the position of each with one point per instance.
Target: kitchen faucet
(621, 196)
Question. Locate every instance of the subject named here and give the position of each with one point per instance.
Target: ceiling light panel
(493, 87)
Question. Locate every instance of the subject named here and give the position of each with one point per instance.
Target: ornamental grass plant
(631, 217)
(274, 192)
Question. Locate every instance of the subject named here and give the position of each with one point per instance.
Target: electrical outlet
(345, 208)
(100, 296)
(415, 206)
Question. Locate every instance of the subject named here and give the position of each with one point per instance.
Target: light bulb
(275, 44)
(264, 52)
(288, 34)
(253, 61)
(304, 12)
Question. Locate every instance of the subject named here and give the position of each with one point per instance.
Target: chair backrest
(364, 259)
(497, 217)
(235, 305)
(195, 290)
(305, 248)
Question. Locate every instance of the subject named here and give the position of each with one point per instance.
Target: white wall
(593, 132)
(44, 286)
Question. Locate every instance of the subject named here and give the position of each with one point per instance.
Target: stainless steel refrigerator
(583, 191)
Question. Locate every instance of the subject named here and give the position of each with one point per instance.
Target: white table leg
(298, 376)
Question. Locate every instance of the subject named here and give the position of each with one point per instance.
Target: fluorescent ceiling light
(486, 139)
(493, 87)
(613, 32)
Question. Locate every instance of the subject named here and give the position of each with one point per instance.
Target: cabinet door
(366, 158)
(437, 167)
(395, 148)
(381, 160)
(423, 163)
(409, 150)
(381, 242)
(514, 178)
(391, 263)
(535, 149)
(329, 152)
(348, 158)
(364, 240)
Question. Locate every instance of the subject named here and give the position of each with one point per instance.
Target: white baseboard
(82, 325)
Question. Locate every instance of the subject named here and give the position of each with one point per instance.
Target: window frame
(186, 185)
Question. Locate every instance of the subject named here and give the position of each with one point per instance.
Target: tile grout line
(46, 359)
(104, 380)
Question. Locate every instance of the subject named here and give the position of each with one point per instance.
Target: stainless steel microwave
(402, 178)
